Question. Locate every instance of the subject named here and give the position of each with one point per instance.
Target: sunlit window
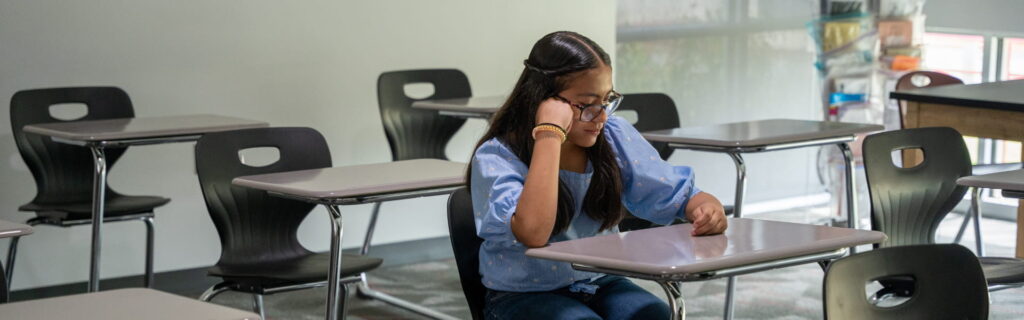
(962, 56)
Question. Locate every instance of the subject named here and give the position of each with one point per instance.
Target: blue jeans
(616, 298)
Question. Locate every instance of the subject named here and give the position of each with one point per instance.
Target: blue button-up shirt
(652, 189)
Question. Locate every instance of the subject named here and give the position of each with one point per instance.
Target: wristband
(554, 125)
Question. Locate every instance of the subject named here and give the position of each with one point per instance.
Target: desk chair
(64, 173)
(953, 289)
(928, 79)
(466, 246)
(907, 204)
(260, 249)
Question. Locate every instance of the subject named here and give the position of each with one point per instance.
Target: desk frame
(334, 276)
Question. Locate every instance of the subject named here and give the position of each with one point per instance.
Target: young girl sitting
(555, 165)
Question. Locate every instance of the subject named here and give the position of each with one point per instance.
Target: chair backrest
(948, 284)
(655, 111)
(63, 173)
(922, 79)
(907, 204)
(418, 133)
(466, 244)
(254, 226)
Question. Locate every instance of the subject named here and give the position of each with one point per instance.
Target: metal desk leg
(334, 274)
(741, 190)
(675, 299)
(851, 192)
(364, 290)
(99, 190)
(976, 206)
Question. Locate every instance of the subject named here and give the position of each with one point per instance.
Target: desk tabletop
(141, 128)
(1007, 180)
(671, 250)
(486, 105)
(11, 229)
(1003, 95)
(360, 180)
(122, 304)
(759, 133)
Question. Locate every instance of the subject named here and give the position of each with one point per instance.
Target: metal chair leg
(257, 305)
(213, 292)
(148, 278)
(343, 305)
(963, 225)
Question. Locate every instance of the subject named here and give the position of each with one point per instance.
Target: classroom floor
(790, 293)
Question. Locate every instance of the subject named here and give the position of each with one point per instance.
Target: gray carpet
(790, 293)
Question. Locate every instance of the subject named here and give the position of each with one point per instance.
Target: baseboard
(191, 281)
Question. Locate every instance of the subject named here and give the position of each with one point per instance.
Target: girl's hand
(555, 111)
(706, 214)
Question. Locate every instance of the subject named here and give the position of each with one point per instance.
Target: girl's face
(587, 87)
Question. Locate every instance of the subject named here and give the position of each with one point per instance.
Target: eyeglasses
(590, 112)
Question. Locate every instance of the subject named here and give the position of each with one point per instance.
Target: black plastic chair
(907, 204)
(654, 111)
(466, 246)
(260, 249)
(947, 278)
(64, 173)
(418, 133)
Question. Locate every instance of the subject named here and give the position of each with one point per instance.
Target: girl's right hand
(554, 111)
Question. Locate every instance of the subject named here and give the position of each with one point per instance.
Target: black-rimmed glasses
(590, 112)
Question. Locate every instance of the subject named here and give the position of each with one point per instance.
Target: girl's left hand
(707, 215)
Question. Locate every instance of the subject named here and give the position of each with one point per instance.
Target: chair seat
(1000, 270)
(115, 206)
(311, 268)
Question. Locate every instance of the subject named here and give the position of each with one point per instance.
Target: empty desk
(361, 184)
(122, 304)
(9, 230)
(473, 107)
(670, 255)
(988, 110)
(99, 134)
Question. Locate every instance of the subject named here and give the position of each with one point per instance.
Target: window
(960, 55)
(1013, 59)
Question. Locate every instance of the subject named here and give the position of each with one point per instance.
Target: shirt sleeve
(652, 189)
(496, 182)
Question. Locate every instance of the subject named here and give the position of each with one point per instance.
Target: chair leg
(257, 305)
(213, 292)
(963, 225)
(342, 305)
(148, 278)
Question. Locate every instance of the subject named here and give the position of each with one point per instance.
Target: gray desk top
(10, 229)
(482, 105)
(1003, 95)
(759, 133)
(360, 180)
(1007, 180)
(122, 304)
(140, 128)
(671, 250)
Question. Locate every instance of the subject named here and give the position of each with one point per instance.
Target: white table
(122, 304)
(1012, 184)
(473, 107)
(9, 230)
(670, 255)
(100, 134)
(361, 184)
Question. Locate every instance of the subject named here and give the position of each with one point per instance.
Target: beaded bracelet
(554, 125)
(549, 127)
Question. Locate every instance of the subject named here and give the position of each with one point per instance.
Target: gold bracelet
(551, 128)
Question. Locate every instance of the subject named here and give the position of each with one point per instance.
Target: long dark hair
(553, 61)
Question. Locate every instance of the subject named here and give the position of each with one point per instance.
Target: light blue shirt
(652, 189)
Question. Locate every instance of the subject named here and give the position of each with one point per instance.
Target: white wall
(291, 63)
(996, 16)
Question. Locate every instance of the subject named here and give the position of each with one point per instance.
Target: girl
(554, 166)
